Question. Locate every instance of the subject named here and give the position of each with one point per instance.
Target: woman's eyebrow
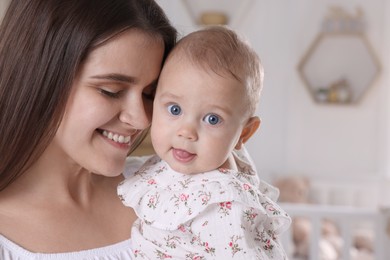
(116, 77)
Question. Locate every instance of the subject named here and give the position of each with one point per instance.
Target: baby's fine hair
(221, 50)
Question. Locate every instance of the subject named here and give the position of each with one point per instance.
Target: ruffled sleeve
(220, 213)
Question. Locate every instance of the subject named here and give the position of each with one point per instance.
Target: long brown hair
(42, 44)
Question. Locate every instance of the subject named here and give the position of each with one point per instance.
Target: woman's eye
(174, 110)
(212, 119)
(109, 93)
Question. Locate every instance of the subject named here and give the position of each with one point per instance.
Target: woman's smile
(118, 138)
(115, 139)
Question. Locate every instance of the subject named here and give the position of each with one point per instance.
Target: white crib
(345, 217)
(350, 203)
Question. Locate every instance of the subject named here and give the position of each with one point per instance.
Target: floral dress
(221, 214)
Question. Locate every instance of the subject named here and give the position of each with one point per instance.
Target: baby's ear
(249, 129)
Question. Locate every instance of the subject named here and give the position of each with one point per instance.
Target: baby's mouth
(182, 155)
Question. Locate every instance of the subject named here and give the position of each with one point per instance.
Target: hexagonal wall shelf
(340, 64)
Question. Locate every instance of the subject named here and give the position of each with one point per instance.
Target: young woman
(77, 81)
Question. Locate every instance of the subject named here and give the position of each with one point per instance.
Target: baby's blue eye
(174, 110)
(212, 119)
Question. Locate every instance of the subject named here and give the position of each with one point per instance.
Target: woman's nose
(136, 114)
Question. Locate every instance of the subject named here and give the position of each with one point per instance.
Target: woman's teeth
(117, 138)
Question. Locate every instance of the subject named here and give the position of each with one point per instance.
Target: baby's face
(198, 117)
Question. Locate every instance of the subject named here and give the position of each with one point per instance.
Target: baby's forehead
(217, 72)
(184, 59)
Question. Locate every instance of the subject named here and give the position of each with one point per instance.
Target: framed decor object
(340, 65)
(225, 12)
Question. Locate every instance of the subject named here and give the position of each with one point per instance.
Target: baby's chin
(185, 169)
(189, 169)
(193, 166)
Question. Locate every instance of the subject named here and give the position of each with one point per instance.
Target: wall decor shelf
(225, 12)
(340, 65)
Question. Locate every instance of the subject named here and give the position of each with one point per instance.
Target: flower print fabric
(221, 214)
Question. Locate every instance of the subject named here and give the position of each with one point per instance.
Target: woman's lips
(117, 140)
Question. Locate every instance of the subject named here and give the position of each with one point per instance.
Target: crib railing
(344, 216)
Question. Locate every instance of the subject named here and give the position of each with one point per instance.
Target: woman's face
(110, 103)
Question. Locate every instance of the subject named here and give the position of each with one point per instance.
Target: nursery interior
(325, 111)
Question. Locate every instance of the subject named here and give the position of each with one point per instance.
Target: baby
(200, 196)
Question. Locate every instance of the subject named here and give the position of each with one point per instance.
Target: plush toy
(295, 189)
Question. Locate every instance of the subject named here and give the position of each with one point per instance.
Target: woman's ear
(249, 129)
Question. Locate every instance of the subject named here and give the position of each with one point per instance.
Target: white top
(120, 251)
(221, 214)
